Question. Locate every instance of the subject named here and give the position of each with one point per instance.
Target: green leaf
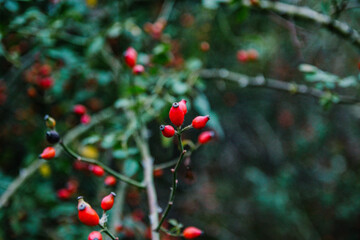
(350, 81)
(120, 154)
(130, 167)
(108, 141)
(96, 45)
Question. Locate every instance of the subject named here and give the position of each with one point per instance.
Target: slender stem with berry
(107, 232)
(106, 168)
(174, 182)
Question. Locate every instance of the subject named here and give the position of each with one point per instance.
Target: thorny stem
(174, 182)
(107, 232)
(106, 168)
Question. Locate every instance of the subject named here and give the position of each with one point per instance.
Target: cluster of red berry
(155, 29)
(39, 75)
(177, 115)
(81, 111)
(66, 192)
(130, 57)
(244, 56)
(88, 216)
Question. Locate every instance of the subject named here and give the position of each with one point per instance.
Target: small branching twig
(260, 81)
(175, 180)
(106, 168)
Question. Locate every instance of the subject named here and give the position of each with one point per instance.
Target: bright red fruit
(87, 215)
(79, 109)
(108, 201)
(192, 232)
(45, 70)
(138, 69)
(95, 235)
(242, 56)
(176, 115)
(200, 121)
(97, 170)
(85, 119)
(63, 194)
(130, 56)
(182, 105)
(46, 82)
(167, 130)
(205, 137)
(48, 153)
(110, 181)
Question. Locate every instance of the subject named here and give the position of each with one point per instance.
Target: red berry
(119, 228)
(204, 46)
(158, 172)
(63, 194)
(242, 56)
(46, 82)
(97, 170)
(252, 54)
(95, 235)
(167, 130)
(138, 69)
(192, 232)
(182, 105)
(85, 119)
(45, 70)
(87, 215)
(176, 115)
(110, 181)
(200, 121)
(130, 56)
(48, 153)
(72, 186)
(108, 201)
(79, 109)
(205, 137)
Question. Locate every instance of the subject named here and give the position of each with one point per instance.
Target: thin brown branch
(340, 28)
(260, 81)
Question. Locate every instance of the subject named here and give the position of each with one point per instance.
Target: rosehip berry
(192, 232)
(130, 56)
(72, 186)
(167, 130)
(108, 201)
(242, 56)
(252, 54)
(176, 115)
(97, 170)
(85, 119)
(204, 46)
(158, 172)
(46, 82)
(182, 105)
(48, 153)
(52, 136)
(63, 194)
(50, 122)
(110, 181)
(138, 69)
(87, 215)
(95, 235)
(79, 109)
(45, 70)
(205, 137)
(200, 121)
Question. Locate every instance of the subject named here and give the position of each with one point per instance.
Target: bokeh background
(283, 165)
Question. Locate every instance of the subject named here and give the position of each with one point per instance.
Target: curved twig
(261, 81)
(340, 28)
